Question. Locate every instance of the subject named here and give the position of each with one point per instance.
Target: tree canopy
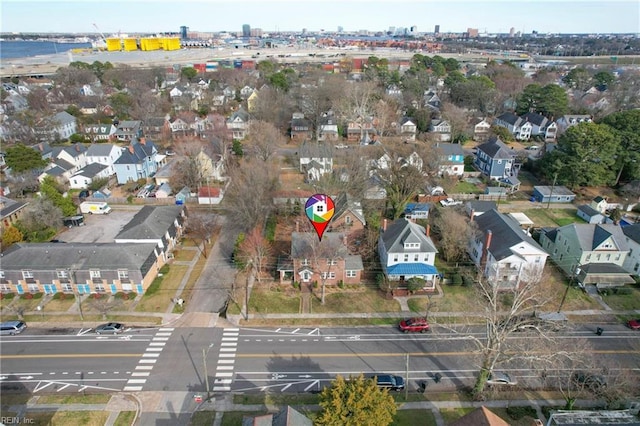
(626, 127)
(355, 402)
(585, 156)
(550, 100)
(21, 158)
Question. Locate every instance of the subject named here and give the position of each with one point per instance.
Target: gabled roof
(239, 115)
(135, 153)
(100, 150)
(481, 206)
(510, 118)
(343, 202)
(417, 207)
(91, 170)
(506, 233)
(209, 192)
(74, 150)
(496, 149)
(553, 190)
(63, 118)
(9, 206)
(481, 416)
(588, 210)
(150, 223)
(404, 231)
(590, 235)
(535, 118)
(315, 150)
(450, 149)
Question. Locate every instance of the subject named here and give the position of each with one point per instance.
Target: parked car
(592, 382)
(12, 327)
(634, 324)
(501, 378)
(110, 328)
(414, 325)
(450, 202)
(390, 381)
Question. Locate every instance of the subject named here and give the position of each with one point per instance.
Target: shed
(590, 215)
(522, 219)
(209, 195)
(103, 193)
(553, 194)
(181, 197)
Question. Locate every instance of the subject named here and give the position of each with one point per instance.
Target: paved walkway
(177, 402)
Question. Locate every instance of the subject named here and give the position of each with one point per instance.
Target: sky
(151, 16)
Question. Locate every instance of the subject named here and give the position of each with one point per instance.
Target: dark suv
(389, 381)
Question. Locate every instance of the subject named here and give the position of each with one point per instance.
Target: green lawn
(270, 302)
(74, 399)
(63, 418)
(450, 415)
(365, 300)
(234, 418)
(414, 418)
(624, 302)
(159, 294)
(463, 187)
(542, 217)
(125, 418)
(205, 418)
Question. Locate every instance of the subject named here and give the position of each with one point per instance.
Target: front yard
(543, 217)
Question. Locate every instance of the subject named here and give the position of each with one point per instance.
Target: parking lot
(98, 228)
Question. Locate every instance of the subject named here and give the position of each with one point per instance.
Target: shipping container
(237, 64)
(327, 67)
(358, 63)
(200, 67)
(248, 65)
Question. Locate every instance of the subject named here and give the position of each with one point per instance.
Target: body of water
(26, 49)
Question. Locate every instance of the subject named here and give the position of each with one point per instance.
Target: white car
(500, 378)
(450, 202)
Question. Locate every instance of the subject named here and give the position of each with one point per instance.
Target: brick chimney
(473, 213)
(428, 230)
(485, 249)
(384, 225)
(131, 149)
(297, 226)
(143, 140)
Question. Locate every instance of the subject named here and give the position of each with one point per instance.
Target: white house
(85, 176)
(105, 154)
(441, 130)
(632, 261)
(504, 253)
(406, 251)
(316, 160)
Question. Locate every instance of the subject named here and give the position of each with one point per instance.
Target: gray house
(553, 194)
(590, 215)
(137, 161)
(161, 225)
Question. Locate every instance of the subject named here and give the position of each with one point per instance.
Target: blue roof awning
(412, 269)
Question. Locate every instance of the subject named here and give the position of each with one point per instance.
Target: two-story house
(518, 127)
(137, 161)
(541, 126)
(348, 216)
(79, 268)
(99, 131)
(10, 211)
(441, 129)
(361, 129)
(160, 225)
(238, 124)
(58, 127)
(328, 128)
(406, 251)
(407, 129)
(325, 261)
(495, 160)
(316, 160)
(632, 261)
(571, 120)
(505, 254)
(451, 159)
(593, 254)
(128, 130)
(86, 175)
(103, 153)
(301, 128)
(481, 129)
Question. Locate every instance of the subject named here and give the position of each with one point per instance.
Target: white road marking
(224, 374)
(83, 331)
(140, 374)
(314, 383)
(159, 344)
(144, 367)
(136, 381)
(221, 388)
(148, 361)
(226, 361)
(284, 388)
(150, 355)
(223, 381)
(160, 339)
(224, 367)
(228, 349)
(132, 388)
(235, 339)
(153, 349)
(231, 329)
(229, 344)
(64, 387)
(166, 329)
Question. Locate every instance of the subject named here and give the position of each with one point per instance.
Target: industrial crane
(102, 43)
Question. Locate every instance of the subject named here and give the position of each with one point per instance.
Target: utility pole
(555, 176)
(206, 374)
(76, 291)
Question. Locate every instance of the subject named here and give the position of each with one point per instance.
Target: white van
(95, 207)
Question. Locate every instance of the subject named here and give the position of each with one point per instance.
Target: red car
(634, 324)
(414, 325)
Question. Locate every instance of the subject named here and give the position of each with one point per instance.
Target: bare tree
(457, 118)
(200, 227)
(503, 310)
(263, 140)
(275, 107)
(256, 250)
(37, 100)
(103, 305)
(40, 214)
(401, 180)
(249, 196)
(453, 231)
(194, 165)
(388, 113)
(318, 93)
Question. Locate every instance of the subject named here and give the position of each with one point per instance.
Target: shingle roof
(343, 202)
(506, 233)
(509, 117)
(592, 235)
(535, 118)
(140, 152)
(150, 223)
(480, 417)
(90, 170)
(304, 243)
(496, 149)
(588, 210)
(47, 256)
(315, 150)
(9, 206)
(404, 231)
(450, 149)
(632, 232)
(99, 150)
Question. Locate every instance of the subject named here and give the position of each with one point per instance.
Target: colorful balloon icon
(319, 209)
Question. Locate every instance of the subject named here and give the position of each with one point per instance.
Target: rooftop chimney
(485, 249)
(384, 224)
(131, 149)
(428, 230)
(143, 140)
(297, 226)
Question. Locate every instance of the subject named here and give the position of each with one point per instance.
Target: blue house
(417, 211)
(138, 161)
(553, 194)
(495, 159)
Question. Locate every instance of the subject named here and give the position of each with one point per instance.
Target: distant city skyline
(153, 16)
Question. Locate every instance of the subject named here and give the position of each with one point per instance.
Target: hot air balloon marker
(319, 209)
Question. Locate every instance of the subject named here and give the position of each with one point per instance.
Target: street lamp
(206, 374)
(74, 289)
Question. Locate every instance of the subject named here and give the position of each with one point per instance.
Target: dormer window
(411, 245)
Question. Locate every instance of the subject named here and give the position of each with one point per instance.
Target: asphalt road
(70, 359)
(278, 360)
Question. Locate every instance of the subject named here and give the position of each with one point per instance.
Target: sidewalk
(167, 402)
